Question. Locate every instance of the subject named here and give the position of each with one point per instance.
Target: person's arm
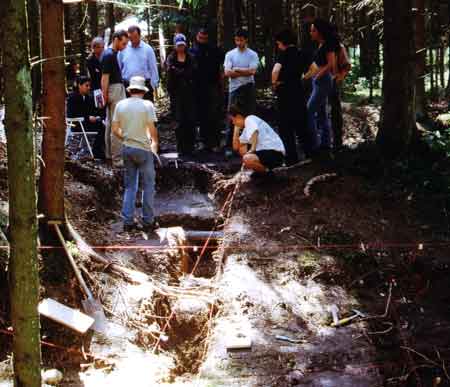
(153, 133)
(239, 147)
(329, 67)
(253, 142)
(105, 86)
(153, 66)
(244, 72)
(251, 70)
(312, 71)
(228, 68)
(70, 106)
(275, 75)
(117, 130)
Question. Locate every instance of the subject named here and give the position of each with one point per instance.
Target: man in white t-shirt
(134, 125)
(240, 67)
(259, 145)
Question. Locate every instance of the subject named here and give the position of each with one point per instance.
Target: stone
(52, 377)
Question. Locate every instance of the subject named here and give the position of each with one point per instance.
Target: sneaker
(150, 227)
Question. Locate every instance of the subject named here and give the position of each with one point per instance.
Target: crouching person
(259, 145)
(134, 125)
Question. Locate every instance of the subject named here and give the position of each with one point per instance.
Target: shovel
(91, 305)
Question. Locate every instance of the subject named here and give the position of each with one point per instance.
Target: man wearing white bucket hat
(134, 124)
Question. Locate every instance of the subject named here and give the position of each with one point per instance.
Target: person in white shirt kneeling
(259, 145)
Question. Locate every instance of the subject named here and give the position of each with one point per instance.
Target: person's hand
(154, 147)
(92, 119)
(275, 85)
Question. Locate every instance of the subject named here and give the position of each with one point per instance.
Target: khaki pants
(113, 146)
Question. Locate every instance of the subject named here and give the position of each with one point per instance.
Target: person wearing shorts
(259, 145)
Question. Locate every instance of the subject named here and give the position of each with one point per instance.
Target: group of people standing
(303, 81)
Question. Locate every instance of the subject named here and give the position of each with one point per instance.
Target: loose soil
(362, 240)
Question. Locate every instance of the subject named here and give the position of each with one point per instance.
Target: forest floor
(365, 239)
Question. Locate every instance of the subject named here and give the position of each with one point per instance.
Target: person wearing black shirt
(80, 103)
(208, 88)
(93, 63)
(287, 83)
(321, 71)
(113, 91)
(180, 84)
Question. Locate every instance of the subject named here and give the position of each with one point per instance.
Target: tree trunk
(273, 20)
(93, 18)
(23, 264)
(398, 117)
(229, 27)
(34, 36)
(212, 21)
(82, 37)
(51, 188)
(251, 18)
(110, 19)
(442, 65)
(431, 60)
(420, 59)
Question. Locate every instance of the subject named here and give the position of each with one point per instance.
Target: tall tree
(398, 112)
(212, 21)
(81, 13)
(421, 54)
(34, 37)
(93, 18)
(23, 265)
(110, 19)
(51, 188)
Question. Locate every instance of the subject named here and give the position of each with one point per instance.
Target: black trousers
(148, 95)
(292, 121)
(98, 148)
(337, 122)
(185, 117)
(208, 101)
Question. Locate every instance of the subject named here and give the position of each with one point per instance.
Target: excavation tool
(348, 319)
(92, 306)
(334, 310)
(288, 339)
(65, 315)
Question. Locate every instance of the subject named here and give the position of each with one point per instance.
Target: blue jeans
(138, 162)
(319, 125)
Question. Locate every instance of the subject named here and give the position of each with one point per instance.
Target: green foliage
(195, 4)
(439, 141)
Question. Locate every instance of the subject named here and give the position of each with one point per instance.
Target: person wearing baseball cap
(180, 73)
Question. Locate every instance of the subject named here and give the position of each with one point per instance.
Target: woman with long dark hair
(321, 71)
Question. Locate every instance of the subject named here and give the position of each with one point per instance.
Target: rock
(52, 377)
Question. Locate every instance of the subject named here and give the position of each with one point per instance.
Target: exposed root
(316, 179)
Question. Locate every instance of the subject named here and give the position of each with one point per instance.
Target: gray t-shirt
(247, 59)
(268, 139)
(133, 116)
